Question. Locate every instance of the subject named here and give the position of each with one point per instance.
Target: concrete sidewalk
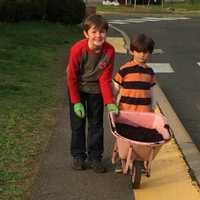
(170, 175)
(57, 180)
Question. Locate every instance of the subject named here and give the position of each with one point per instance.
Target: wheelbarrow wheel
(136, 174)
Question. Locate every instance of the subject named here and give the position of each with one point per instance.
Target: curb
(190, 152)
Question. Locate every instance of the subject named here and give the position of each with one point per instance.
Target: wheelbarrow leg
(147, 165)
(115, 153)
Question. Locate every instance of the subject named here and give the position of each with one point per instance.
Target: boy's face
(141, 57)
(95, 37)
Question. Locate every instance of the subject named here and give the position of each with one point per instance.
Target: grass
(31, 73)
(168, 8)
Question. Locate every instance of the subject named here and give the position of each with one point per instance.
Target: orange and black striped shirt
(135, 86)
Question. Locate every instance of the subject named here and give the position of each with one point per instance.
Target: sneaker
(97, 166)
(78, 164)
(118, 167)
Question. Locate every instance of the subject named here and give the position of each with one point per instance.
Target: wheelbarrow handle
(112, 123)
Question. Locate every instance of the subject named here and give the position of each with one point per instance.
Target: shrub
(8, 11)
(18, 10)
(65, 11)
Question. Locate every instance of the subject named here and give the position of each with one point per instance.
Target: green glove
(113, 107)
(79, 110)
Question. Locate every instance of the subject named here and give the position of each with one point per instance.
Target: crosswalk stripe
(117, 22)
(153, 19)
(136, 20)
(166, 18)
(158, 51)
(146, 19)
(161, 67)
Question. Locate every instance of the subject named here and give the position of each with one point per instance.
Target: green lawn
(31, 75)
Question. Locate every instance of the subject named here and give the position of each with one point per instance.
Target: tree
(66, 11)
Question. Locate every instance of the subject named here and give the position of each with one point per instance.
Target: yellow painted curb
(169, 178)
(118, 44)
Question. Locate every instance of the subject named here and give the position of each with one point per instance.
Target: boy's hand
(113, 107)
(79, 110)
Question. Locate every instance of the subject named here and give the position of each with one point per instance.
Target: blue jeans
(93, 148)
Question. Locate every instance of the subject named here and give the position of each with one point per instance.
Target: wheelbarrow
(139, 137)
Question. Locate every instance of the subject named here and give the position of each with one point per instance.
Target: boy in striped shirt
(135, 79)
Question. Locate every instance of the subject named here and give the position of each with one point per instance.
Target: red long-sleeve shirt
(90, 72)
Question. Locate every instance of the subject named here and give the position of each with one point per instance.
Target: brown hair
(142, 43)
(95, 20)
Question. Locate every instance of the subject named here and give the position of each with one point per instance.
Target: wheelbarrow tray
(129, 150)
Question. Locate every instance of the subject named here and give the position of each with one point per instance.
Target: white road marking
(158, 51)
(153, 19)
(146, 19)
(166, 18)
(118, 22)
(198, 63)
(136, 20)
(161, 67)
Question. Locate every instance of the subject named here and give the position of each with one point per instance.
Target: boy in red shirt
(89, 82)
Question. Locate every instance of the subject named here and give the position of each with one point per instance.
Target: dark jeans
(93, 104)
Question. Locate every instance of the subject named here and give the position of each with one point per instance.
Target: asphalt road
(179, 40)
